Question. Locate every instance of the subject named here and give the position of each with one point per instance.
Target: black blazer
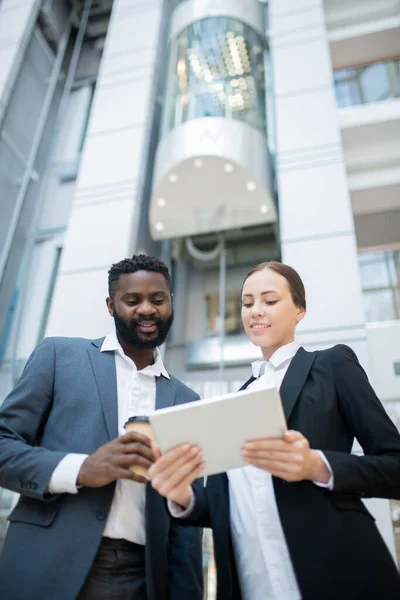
(336, 549)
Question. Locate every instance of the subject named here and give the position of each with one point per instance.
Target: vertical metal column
(25, 263)
(222, 295)
(30, 163)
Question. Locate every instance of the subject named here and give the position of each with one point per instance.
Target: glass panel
(50, 292)
(347, 92)
(374, 270)
(374, 83)
(380, 280)
(370, 83)
(396, 266)
(11, 173)
(379, 305)
(216, 70)
(32, 83)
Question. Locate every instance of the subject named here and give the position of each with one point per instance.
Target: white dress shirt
(136, 391)
(262, 557)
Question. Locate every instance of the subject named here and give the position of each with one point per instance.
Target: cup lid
(137, 419)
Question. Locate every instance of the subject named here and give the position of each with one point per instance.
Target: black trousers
(118, 573)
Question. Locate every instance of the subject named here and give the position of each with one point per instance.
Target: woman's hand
(174, 471)
(289, 458)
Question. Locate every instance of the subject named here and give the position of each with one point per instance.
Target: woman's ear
(300, 315)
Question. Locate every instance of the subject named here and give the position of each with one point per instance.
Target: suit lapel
(103, 364)
(295, 379)
(248, 382)
(157, 520)
(165, 392)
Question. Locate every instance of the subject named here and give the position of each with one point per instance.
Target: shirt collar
(111, 344)
(279, 357)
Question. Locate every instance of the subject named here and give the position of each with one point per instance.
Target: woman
(291, 524)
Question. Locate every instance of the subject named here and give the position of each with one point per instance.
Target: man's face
(142, 309)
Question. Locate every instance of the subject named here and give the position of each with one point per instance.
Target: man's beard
(130, 335)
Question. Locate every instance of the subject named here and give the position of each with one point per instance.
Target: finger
(301, 445)
(156, 450)
(177, 453)
(268, 445)
(131, 460)
(138, 448)
(139, 478)
(174, 476)
(127, 474)
(275, 466)
(195, 474)
(290, 477)
(268, 455)
(132, 437)
(177, 471)
(128, 460)
(292, 436)
(166, 487)
(166, 468)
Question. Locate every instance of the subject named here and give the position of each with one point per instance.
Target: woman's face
(269, 314)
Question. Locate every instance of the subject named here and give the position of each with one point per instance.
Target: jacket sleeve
(377, 473)
(25, 467)
(185, 559)
(199, 516)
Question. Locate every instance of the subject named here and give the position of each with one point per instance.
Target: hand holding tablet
(220, 426)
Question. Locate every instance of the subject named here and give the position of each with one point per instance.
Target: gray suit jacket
(66, 401)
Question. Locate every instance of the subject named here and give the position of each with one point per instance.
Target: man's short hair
(138, 262)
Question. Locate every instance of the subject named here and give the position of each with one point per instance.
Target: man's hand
(174, 471)
(112, 461)
(290, 458)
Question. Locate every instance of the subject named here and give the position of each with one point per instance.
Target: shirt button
(100, 515)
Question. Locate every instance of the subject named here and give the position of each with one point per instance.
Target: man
(85, 526)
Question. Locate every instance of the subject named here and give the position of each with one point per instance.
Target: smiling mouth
(259, 327)
(147, 326)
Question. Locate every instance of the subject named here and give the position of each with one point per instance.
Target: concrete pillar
(104, 219)
(317, 229)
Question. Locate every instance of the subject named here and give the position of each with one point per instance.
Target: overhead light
(228, 168)
(181, 66)
(161, 202)
(173, 178)
(264, 209)
(159, 226)
(198, 163)
(251, 186)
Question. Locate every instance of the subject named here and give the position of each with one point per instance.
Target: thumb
(293, 436)
(156, 450)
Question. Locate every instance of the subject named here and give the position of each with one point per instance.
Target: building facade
(216, 134)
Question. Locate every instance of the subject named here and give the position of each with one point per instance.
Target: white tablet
(221, 425)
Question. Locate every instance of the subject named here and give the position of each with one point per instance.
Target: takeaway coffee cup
(141, 425)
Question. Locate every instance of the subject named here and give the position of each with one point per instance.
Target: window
(369, 83)
(233, 322)
(380, 281)
(216, 70)
(50, 292)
